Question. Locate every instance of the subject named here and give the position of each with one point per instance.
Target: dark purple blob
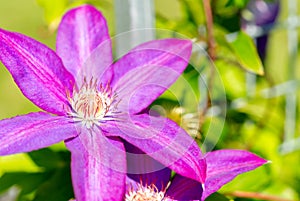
(263, 14)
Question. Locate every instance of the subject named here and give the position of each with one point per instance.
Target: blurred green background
(262, 113)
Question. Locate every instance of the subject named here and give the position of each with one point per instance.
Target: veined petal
(148, 70)
(165, 52)
(37, 70)
(80, 32)
(97, 65)
(33, 131)
(145, 170)
(225, 165)
(98, 167)
(184, 189)
(162, 140)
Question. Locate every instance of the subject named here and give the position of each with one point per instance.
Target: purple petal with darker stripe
(33, 131)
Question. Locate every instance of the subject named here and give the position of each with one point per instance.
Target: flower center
(145, 193)
(90, 104)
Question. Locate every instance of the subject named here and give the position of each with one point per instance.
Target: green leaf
(245, 51)
(59, 183)
(46, 158)
(237, 3)
(217, 197)
(236, 87)
(185, 91)
(191, 10)
(26, 181)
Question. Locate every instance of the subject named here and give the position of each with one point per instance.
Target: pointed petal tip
(81, 31)
(82, 9)
(259, 160)
(37, 70)
(225, 165)
(203, 186)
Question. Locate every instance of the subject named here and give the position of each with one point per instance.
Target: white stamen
(91, 105)
(145, 193)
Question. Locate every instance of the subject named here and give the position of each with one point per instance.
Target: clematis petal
(101, 176)
(33, 131)
(145, 170)
(37, 70)
(225, 165)
(162, 140)
(147, 71)
(184, 189)
(80, 33)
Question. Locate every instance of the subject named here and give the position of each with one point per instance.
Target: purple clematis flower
(90, 102)
(222, 167)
